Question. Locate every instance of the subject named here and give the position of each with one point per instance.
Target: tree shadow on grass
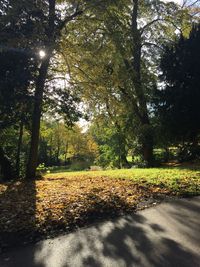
(17, 209)
(18, 223)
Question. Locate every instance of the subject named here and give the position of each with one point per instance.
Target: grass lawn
(61, 201)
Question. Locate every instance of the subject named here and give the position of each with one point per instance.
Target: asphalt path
(165, 235)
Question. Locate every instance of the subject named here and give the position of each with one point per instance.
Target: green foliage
(99, 53)
(41, 169)
(79, 166)
(112, 142)
(9, 141)
(61, 145)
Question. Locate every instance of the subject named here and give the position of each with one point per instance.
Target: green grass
(179, 180)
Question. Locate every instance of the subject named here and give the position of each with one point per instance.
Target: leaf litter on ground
(33, 209)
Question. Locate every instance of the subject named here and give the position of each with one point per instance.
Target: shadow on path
(167, 235)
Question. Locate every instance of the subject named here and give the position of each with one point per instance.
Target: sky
(180, 2)
(177, 1)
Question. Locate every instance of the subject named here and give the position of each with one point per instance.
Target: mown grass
(180, 180)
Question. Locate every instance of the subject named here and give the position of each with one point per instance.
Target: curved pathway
(165, 235)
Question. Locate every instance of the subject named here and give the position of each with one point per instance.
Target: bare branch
(190, 5)
(152, 44)
(149, 24)
(56, 78)
(71, 17)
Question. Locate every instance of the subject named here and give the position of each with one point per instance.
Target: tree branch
(70, 18)
(149, 24)
(56, 78)
(190, 5)
(152, 44)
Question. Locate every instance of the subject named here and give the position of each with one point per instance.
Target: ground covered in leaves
(59, 202)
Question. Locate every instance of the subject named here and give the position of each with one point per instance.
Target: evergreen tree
(178, 102)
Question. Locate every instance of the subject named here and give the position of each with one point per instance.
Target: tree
(61, 145)
(116, 53)
(53, 31)
(16, 73)
(106, 53)
(112, 142)
(157, 19)
(178, 105)
(36, 26)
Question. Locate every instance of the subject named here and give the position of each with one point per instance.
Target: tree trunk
(123, 154)
(53, 32)
(167, 154)
(19, 149)
(57, 155)
(194, 147)
(6, 167)
(148, 154)
(147, 147)
(66, 149)
(50, 152)
(39, 91)
(124, 162)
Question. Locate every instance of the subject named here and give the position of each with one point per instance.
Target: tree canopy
(102, 61)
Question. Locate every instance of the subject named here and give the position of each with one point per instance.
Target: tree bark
(58, 154)
(19, 145)
(39, 91)
(50, 152)
(147, 148)
(123, 162)
(148, 154)
(66, 150)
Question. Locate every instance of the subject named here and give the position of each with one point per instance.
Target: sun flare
(42, 53)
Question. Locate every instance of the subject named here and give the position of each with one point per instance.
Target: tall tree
(53, 31)
(116, 52)
(18, 64)
(36, 26)
(178, 105)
